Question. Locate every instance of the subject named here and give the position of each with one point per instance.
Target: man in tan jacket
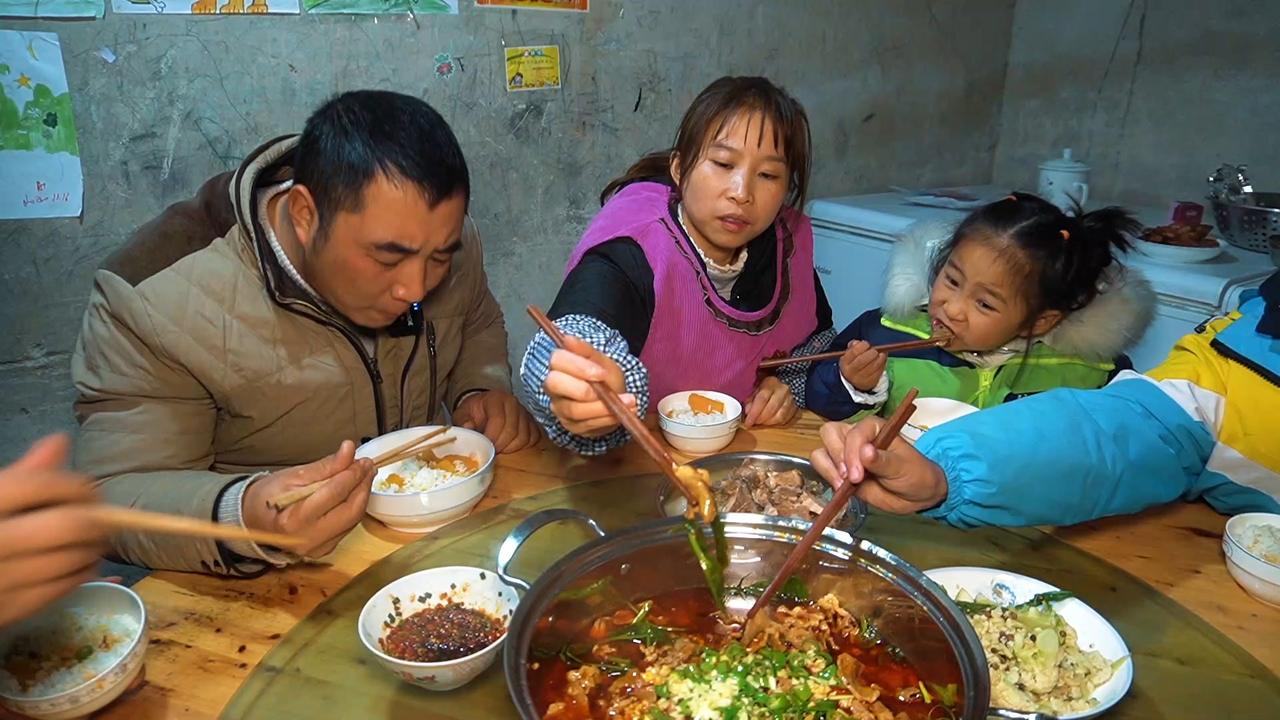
(330, 290)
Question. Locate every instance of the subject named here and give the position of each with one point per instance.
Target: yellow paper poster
(533, 67)
(571, 5)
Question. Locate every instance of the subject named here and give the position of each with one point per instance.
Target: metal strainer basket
(1251, 224)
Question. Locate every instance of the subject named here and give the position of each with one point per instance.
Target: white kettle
(1064, 181)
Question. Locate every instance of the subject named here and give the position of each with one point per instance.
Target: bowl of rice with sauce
(699, 421)
(426, 491)
(1251, 545)
(76, 656)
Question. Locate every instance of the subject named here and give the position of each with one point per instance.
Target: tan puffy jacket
(200, 362)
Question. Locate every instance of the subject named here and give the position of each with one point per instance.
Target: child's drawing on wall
(51, 8)
(40, 174)
(206, 7)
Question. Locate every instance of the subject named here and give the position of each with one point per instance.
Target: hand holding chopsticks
(839, 498)
(314, 531)
(337, 502)
(568, 384)
(399, 453)
(686, 479)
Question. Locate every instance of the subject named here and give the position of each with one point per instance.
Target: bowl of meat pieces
(1179, 243)
(766, 483)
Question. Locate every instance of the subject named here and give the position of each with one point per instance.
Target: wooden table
(207, 633)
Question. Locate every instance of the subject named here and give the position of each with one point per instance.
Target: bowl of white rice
(421, 494)
(1251, 545)
(76, 656)
(695, 431)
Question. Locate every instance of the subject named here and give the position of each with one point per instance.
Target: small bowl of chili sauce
(438, 628)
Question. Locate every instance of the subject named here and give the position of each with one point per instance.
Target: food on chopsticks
(693, 482)
(1034, 656)
(754, 488)
(436, 634)
(712, 557)
(68, 649)
(701, 410)
(425, 471)
(668, 657)
(1181, 235)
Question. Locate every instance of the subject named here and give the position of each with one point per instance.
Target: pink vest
(697, 341)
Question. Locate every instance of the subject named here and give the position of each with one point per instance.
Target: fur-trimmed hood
(1110, 325)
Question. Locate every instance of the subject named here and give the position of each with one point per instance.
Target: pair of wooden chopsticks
(625, 417)
(399, 453)
(124, 518)
(417, 448)
(937, 340)
(839, 499)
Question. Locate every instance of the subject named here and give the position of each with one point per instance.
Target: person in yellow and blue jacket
(1202, 425)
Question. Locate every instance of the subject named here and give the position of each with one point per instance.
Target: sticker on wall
(382, 7)
(567, 5)
(533, 67)
(51, 8)
(446, 65)
(205, 7)
(40, 173)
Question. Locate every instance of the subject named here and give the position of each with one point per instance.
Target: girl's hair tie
(1065, 235)
(1011, 197)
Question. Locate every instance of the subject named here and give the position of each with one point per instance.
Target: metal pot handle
(527, 527)
(1006, 714)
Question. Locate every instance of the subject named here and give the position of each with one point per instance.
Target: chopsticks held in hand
(838, 500)
(399, 453)
(625, 417)
(935, 341)
(123, 518)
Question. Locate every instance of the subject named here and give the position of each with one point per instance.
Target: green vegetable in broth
(711, 564)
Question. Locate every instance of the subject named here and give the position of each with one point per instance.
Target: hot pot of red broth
(625, 626)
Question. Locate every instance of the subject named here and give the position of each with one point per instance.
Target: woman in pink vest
(699, 265)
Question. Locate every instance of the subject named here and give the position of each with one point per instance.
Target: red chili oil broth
(693, 611)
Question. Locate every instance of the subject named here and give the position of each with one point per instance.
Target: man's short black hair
(357, 135)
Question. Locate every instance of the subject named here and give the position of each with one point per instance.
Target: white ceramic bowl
(1093, 632)
(468, 586)
(95, 598)
(1177, 253)
(931, 412)
(1258, 577)
(423, 512)
(699, 439)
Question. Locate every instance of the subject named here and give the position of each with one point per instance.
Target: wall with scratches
(1152, 94)
(904, 93)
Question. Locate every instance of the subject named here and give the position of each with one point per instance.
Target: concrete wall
(1153, 94)
(894, 94)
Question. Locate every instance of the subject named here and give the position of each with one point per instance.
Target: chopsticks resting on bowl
(935, 341)
(630, 421)
(412, 451)
(401, 452)
(124, 518)
(839, 499)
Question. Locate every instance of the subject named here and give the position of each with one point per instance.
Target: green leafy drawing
(45, 122)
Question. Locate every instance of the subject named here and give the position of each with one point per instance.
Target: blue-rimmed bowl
(99, 601)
